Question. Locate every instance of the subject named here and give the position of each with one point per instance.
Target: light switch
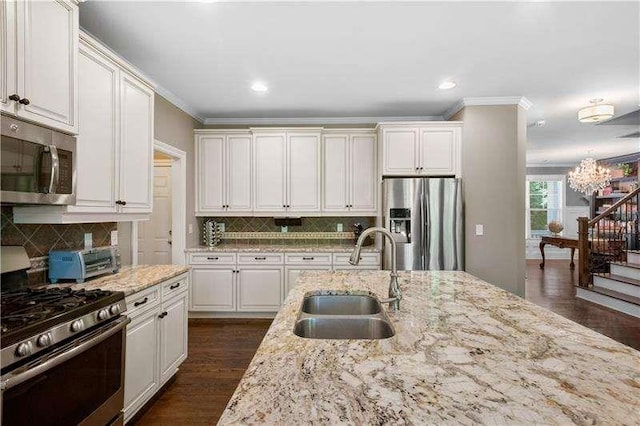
(191, 228)
(114, 238)
(479, 229)
(339, 227)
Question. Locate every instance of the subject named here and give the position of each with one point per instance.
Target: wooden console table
(561, 242)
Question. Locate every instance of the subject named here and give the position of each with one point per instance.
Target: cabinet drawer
(175, 286)
(366, 259)
(212, 258)
(142, 300)
(260, 258)
(308, 258)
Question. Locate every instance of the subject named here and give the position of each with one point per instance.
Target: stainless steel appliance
(37, 164)
(425, 217)
(62, 352)
(82, 264)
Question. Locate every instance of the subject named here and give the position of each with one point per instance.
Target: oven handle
(55, 169)
(93, 339)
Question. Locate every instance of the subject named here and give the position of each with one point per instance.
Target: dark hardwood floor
(554, 288)
(220, 350)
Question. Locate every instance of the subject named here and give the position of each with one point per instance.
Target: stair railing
(607, 237)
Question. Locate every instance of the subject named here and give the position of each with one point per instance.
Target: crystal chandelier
(588, 177)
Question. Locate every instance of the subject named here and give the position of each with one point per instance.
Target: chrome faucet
(394, 289)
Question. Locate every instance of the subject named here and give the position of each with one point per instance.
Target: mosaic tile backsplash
(39, 239)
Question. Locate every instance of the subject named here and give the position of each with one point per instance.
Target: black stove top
(26, 312)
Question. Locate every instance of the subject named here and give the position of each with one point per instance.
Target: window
(545, 201)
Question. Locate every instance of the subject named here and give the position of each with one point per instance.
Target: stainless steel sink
(342, 316)
(343, 327)
(343, 304)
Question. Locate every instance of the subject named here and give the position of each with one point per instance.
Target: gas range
(32, 321)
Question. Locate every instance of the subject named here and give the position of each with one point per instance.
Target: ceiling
(386, 59)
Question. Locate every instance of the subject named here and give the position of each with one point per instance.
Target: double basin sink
(342, 316)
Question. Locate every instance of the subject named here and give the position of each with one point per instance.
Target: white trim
(521, 101)
(179, 103)
(550, 164)
(563, 201)
(608, 301)
(316, 120)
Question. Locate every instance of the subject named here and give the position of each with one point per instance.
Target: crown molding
(179, 103)
(315, 120)
(521, 101)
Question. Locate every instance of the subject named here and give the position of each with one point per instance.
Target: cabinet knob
(24, 101)
(14, 97)
(288, 206)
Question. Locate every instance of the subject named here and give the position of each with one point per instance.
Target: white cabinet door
(336, 173)
(438, 151)
(48, 62)
(8, 78)
(270, 172)
(238, 172)
(213, 289)
(399, 151)
(97, 143)
(292, 273)
(211, 173)
(141, 362)
(136, 122)
(173, 335)
(303, 173)
(260, 289)
(364, 185)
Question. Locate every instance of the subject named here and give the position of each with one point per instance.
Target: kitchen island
(464, 352)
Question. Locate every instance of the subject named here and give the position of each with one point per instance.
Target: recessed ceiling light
(259, 87)
(447, 85)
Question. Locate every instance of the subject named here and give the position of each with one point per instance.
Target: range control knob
(77, 325)
(44, 340)
(103, 314)
(23, 350)
(114, 310)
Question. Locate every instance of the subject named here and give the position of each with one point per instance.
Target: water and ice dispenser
(400, 225)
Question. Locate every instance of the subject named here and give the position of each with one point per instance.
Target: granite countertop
(132, 279)
(281, 247)
(465, 352)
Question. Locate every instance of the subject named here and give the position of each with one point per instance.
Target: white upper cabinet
(421, 149)
(43, 72)
(350, 173)
(270, 177)
(98, 138)
(136, 146)
(223, 170)
(303, 173)
(287, 172)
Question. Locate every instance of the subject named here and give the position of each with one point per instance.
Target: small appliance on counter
(82, 264)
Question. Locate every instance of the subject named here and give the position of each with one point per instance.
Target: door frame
(178, 205)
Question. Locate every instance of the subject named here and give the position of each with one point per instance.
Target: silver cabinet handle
(55, 169)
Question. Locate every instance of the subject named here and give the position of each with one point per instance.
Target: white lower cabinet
(257, 282)
(259, 288)
(156, 340)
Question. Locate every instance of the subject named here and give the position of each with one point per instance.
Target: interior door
(154, 235)
(8, 78)
(48, 62)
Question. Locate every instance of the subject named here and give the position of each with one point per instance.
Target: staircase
(609, 264)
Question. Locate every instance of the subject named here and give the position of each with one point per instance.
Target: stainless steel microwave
(37, 165)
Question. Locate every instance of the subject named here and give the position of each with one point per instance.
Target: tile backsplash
(39, 239)
(309, 224)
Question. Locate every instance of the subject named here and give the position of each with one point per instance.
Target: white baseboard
(234, 315)
(609, 302)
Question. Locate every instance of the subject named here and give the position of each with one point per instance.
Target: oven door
(79, 383)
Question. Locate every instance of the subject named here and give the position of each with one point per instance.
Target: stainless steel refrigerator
(426, 219)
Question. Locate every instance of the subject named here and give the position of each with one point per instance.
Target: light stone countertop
(281, 248)
(132, 279)
(465, 352)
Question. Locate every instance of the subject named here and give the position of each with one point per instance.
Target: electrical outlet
(88, 241)
(339, 227)
(479, 229)
(114, 238)
(222, 226)
(284, 229)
